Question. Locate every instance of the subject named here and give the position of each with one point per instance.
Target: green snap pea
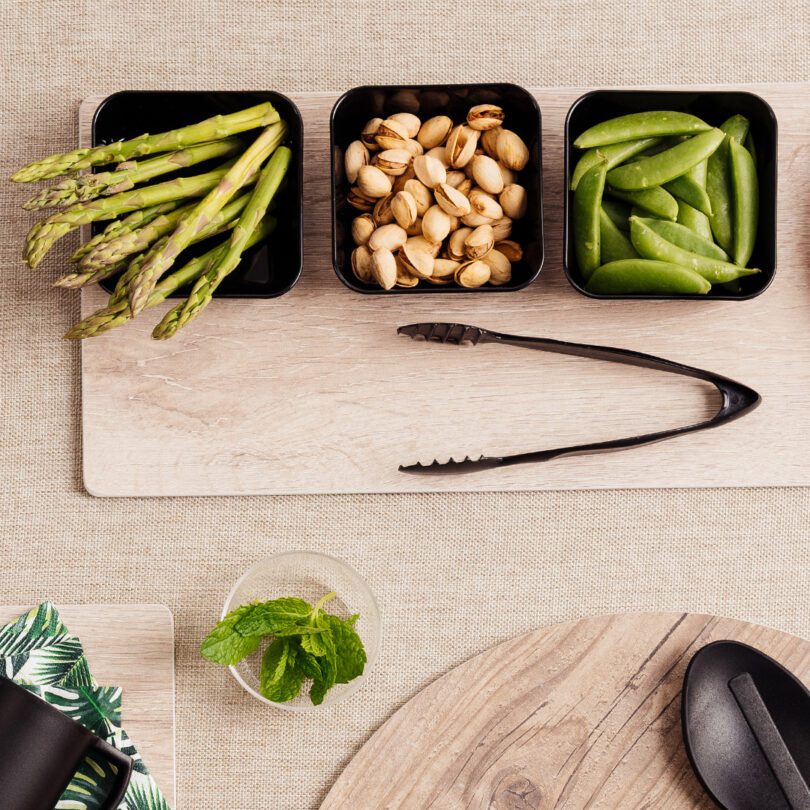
(691, 188)
(642, 276)
(614, 155)
(587, 206)
(664, 144)
(656, 201)
(652, 246)
(718, 182)
(737, 127)
(640, 125)
(694, 220)
(619, 213)
(684, 238)
(665, 166)
(613, 244)
(751, 146)
(745, 196)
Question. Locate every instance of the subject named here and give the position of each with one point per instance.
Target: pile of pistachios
(438, 199)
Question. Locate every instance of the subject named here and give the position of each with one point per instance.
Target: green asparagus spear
(203, 289)
(118, 313)
(44, 234)
(127, 175)
(212, 129)
(247, 165)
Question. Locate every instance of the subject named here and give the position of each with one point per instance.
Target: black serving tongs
(738, 399)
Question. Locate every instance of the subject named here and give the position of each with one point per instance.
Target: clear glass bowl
(309, 575)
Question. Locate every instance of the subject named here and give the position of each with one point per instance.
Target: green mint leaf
(323, 683)
(308, 664)
(281, 679)
(316, 643)
(269, 618)
(224, 644)
(349, 651)
(297, 630)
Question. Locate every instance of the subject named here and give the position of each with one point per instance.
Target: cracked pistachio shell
(473, 274)
(369, 132)
(355, 157)
(391, 134)
(362, 227)
(451, 200)
(512, 151)
(485, 116)
(508, 175)
(434, 131)
(455, 244)
(399, 182)
(404, 277)
(414, 147)
(439, 282)
(410, 121)
(436, 224)
(513, 201)
(479, 242)
(417, 262)
(461, 145)
(512, 250)
(485, 205)
(393, 162)
(358, 200)
(455, 178)
(403, 207)
(384, 268)
(465, 186)
(387, 237)
(445, 268)
(440, 153)
(421, 194)
(420, 243)
(373, 182)
(474, 220)
(361, 264)
(489, 142)
(382, 214)
(429, 170)
(416, 228)
(502, 228)
(499, 267)
(487, 173)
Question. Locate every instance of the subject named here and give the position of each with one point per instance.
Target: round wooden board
(581, 714)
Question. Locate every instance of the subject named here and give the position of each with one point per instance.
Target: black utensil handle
(770, 741)
(124, 765)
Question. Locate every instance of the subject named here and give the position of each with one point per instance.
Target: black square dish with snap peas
(670, 194)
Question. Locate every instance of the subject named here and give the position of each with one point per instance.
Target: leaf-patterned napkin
(38, 652)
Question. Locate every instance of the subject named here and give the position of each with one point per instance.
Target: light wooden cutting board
(314, 392)
(131, 646)
(582, 714)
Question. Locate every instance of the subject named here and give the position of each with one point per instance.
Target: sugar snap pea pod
(664, 144)
(718, 182)
(587, 205)
(652, 246)
(745, 195)
(694, 220)
(656, 201)
(737, 127)
(614, 154)
(631, 127)
(691, 188)
(613, 244)
(618, 212)
(751, 146)
(646, 277)
(681, 236)
(665, 166)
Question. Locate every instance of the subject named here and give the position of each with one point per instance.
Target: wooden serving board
(582, 714)
(131, 646)
(313, 392)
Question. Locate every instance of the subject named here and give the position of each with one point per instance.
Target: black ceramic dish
(714, 107)
(355, 107)
(267, 270)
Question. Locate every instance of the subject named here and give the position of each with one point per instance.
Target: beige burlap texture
(454, 573)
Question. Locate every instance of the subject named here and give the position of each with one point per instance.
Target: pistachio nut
(391, 134)
(355, 157)
(439, 282)
(420, 243)
(415, 229)
(474, 219)
(369, 132)
(513, 200)
(399, 182)
(358, 200)
(502, 228)
(455, 244)
(444, 268)
(485, 205)
(414, 147)
(489, 142)
(508, 175)
(429, 170)
(434, 131)
(421, 194)
(362, 227)
(451, 200)
(473, 274)
(417, 262)
(382, 214)
(405, 278)
(388, 237)
(455, 178)
(487, 173)
(436, 224)
(485, 116)
(384, 268)
(393, 162)
(512, 151)
(465, 186)
(460, 146)
(361, 264)
(410, 121)
(373, 182)
(499, 267)
(403, 207)
(478, 243)
(512, 250)
(440, 153)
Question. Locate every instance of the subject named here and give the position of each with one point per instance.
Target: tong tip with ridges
(456, 333)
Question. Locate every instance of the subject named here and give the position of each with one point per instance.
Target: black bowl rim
(423, 289)
(768, 109)
(299, 161)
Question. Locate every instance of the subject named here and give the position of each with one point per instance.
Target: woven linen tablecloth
(454, 573)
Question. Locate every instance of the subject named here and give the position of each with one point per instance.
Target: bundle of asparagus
(151, 225)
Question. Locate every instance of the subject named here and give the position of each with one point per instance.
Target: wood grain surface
(582, 714)
(131, 646)
(313, 392)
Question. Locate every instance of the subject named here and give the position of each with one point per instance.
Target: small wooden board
(313, 392)
(131, 646)
(582, 714)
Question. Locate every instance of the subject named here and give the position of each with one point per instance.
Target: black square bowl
(714, 107)
(268, 269)
(355, 107)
